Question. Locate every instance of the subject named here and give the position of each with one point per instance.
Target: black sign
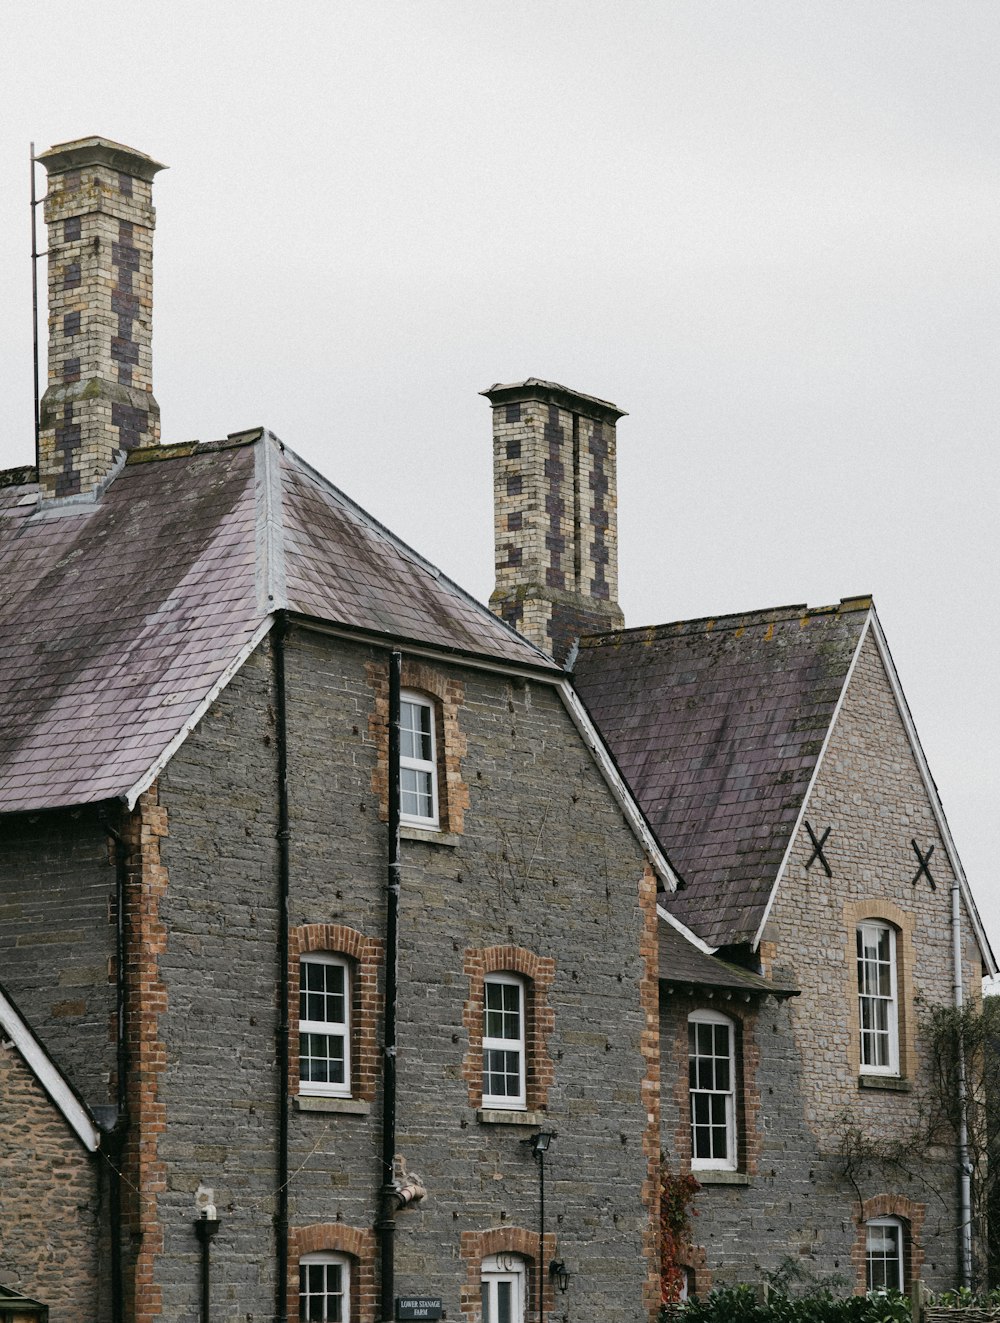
(417, 1306)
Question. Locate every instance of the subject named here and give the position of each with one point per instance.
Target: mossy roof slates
(118, 618)
(717, 730)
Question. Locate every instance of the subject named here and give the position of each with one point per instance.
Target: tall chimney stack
(99, 401)
(555, 513)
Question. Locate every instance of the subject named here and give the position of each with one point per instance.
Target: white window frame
(730, 1161)
(507, 1102)
(327, 1028)
(344, 1295)
(422, 766)
(883, 1223)
(874, 999)
(508, 1269)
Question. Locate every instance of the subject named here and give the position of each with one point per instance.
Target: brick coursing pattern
(539, 1018)
(365, 957)
(356, 1243)
(451, 744)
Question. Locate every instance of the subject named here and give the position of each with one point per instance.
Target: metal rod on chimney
(34, 301)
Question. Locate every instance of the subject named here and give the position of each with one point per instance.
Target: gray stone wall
(798, 1206)
(544, 861)
(57, 889)
(50, 1238)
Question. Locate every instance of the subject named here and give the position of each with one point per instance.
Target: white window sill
(317, 1102)
(892, 1083)
(717, 1176)
(430, 835)
(494, 1116)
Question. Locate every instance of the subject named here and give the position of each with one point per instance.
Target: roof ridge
(730, 620)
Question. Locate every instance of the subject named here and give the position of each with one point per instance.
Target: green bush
(739, 1304)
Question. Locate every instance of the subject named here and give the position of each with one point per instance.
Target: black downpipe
(205, 1228)
(116, 1140)
(541, 1235)
(281, 735)
(387, 1194)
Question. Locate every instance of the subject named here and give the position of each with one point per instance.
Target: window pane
(415, 793)
(503, 1011)
(487, 1316)
(321, 1058)
(322, 995)
(501, 1073)
(321, 1292)
(415, 731)
(884, 1257)
(505, 1301)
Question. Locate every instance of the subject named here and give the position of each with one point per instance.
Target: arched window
(324, 1026)
(324, 1288)
(878, 1013)
(712, 1090)
(884, 1254)
(505, 1289)
(504, 1042)
(418, 778)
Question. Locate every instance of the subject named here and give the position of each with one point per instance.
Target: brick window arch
(535, 974)
(354, 1245)
(496, 1243)
(891, 1209)
(363, 957)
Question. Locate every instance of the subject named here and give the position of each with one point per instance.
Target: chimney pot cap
(99, 151)
(550, 392)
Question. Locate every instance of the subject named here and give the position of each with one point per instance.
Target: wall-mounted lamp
(540, 1143)
(559, 1274)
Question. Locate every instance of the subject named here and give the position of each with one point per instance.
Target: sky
(767, 230)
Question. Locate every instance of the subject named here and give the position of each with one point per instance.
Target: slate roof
(683, 965)
(119, 618)
(717, 726)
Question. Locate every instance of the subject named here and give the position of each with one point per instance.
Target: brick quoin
(650, 1089)
(146, 999)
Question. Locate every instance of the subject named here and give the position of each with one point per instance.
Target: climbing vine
(676, 1197)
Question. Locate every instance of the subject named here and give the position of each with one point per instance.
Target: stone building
(316, 882)
(339, 917)
(822, 910)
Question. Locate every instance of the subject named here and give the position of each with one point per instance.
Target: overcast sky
(767, 230)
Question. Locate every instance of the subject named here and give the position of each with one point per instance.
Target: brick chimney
(99, 401)
(555, 512)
